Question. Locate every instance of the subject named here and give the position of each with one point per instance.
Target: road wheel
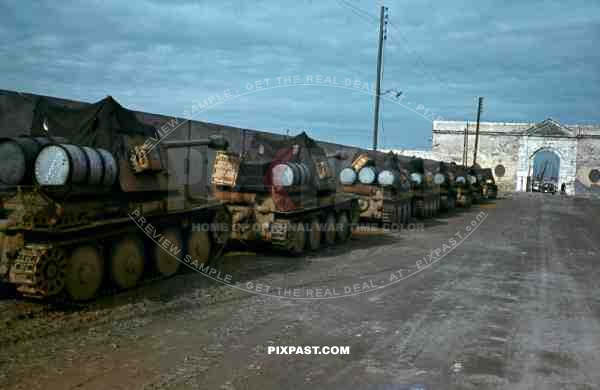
(297, 239)
(198, 246)
(329, 227)
(314, 234)
(126, 262)
(343, 231)
(221, 232)
(399, 216)
(166, 262)
(468, 201)
(84, 272)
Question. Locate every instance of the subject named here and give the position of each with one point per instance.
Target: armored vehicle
(87, 201)
(384, 191)
(475, 179)
(283, 192)
(444, 177)
(462, 185)
(426, 201)
(489, 187)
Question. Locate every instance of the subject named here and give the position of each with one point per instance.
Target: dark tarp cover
(102, 124)
(275, 150)
(281, 149)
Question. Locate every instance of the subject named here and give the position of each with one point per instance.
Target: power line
(360, 10)
(354, 11)
(401, 38)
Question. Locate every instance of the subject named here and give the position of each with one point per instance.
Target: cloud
(529, 59)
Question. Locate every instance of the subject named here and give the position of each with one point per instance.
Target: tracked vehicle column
(283, 192)
(383, 188)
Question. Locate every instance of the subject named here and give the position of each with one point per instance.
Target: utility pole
(479, 109)
(382, 27)
(466, 146)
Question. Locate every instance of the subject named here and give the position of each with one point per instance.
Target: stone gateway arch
(510, 148)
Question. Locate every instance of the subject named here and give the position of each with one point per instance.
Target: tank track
(30, 285)
(39, 269)
(389, 214)
(279, 228)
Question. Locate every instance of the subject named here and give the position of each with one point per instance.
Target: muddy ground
(515, 305)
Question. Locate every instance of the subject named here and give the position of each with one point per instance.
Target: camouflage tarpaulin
(100, 124)
(270, 149)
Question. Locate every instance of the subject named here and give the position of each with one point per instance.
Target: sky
(530, 60)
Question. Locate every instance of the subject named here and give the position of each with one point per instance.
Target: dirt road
(515, 304)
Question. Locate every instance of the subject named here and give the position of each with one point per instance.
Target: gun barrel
(213, 142)
(338, 155)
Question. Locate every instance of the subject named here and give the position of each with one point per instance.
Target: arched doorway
(544, 167)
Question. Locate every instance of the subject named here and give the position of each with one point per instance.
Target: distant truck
(549, 188)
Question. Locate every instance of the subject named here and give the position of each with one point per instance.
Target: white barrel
(367, 175)
(18, 158)
(59, 165)
(305, 174)
(387, 178)
(439, 179)
(282, 175)
(347, 176)
(14, 163)
(291, 174)
(111, 169)
(95, 166)
(416, 178)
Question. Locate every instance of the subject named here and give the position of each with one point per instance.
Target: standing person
(563, 188)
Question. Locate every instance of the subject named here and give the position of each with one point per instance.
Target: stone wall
(504, 144)
(565, 148)
(498, 147)
(588, 159)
